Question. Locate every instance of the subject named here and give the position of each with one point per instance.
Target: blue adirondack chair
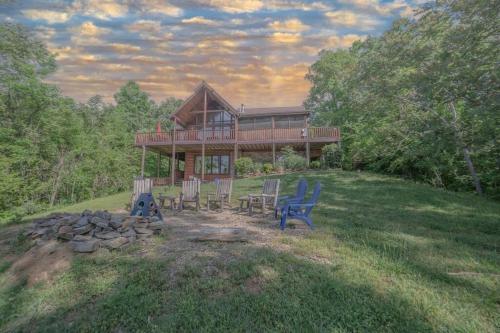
(301, 210)
(297, 198)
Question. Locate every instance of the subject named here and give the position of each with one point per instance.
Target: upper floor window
(215, 119)
(289, 122)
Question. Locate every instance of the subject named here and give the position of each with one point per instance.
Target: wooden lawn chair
(190, 193)
(268, 197)
(222, 193)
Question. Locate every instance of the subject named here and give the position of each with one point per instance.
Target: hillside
(387, 255)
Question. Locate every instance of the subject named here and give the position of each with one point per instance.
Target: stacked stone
(88, 231)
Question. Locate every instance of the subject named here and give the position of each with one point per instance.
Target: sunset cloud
(234, 6)
(200, 20)
(292, 25)
(255, 52)
(285, 37)
(49, 16)
(348, 18)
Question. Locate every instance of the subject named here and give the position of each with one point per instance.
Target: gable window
(214, 165)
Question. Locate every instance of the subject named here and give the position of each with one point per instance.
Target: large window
(289, 122)
(215, 120)
(214, 165)
(255, 123)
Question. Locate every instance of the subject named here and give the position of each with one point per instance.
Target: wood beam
(172, 168)
(204, 136)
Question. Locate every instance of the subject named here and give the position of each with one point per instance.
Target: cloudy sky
(254, 52)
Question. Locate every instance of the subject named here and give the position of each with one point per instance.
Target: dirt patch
(42, 262)
(254, 285)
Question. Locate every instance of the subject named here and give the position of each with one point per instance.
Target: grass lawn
(387, 256)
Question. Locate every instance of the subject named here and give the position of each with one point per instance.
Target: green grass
(379, 261)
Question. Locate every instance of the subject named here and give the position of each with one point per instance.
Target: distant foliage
(54, 150)
(315, 165)
(244, 166)
(422, 100)
(267, 168)
(291, 160)
(331, 156)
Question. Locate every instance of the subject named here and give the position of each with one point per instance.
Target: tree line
(54, 150)
(421, 100)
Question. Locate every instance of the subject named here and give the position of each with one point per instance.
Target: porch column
(308, 154)
(172, 168)
(142, 160)
(203, 142)
(308, 145)
(235, 154)
(274, 143)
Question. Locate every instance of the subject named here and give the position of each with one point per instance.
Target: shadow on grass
(262, 291)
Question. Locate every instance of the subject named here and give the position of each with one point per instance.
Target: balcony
(224, 136)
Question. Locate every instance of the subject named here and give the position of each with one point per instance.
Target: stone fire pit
(88, 231)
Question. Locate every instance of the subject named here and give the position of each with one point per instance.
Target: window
(214, 165)
(289, 122)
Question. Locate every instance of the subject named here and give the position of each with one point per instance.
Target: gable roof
(198, 95)
(273, 111)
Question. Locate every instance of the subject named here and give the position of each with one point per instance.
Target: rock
(82, 221)
(158, 225)
(115, 243)
(85, 246)
(87, 212)
(143, 231)
(82, 238)
(103, 215)
(129, 233)
(83, 230)
(65, 232)
(46, 223)
(68, 220)
(96, 219)
(115, 222)
(154, 219)
(107, 235)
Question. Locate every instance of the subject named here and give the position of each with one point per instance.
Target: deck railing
(244, 136)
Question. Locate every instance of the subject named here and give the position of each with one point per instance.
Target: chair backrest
(141, 185)
(314, 197)
(224, 188)
(271, 187)
(301, 189)
(190, 188)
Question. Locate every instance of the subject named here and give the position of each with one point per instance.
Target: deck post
(274, 141)
(172, 168)
(142, 160)
(203, 142)
(308, 146)
(235, 153)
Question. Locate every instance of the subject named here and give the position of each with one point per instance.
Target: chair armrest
(283, 197)
(292, 205)
(268, 195)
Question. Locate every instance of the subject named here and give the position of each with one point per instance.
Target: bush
(291, 160)
(257, 168)
(267, 168)
(315, 165)
(244, 166)
(332, 156)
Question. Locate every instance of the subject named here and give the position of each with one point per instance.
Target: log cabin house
(209, 134)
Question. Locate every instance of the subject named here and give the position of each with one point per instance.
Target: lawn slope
(387, 256)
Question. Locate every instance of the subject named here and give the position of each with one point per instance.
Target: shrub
(257, 168)
(243, 166)
(291, 160)
(332, 156)
(267, 168)
(315, 165)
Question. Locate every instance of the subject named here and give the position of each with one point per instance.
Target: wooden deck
(267, 135)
